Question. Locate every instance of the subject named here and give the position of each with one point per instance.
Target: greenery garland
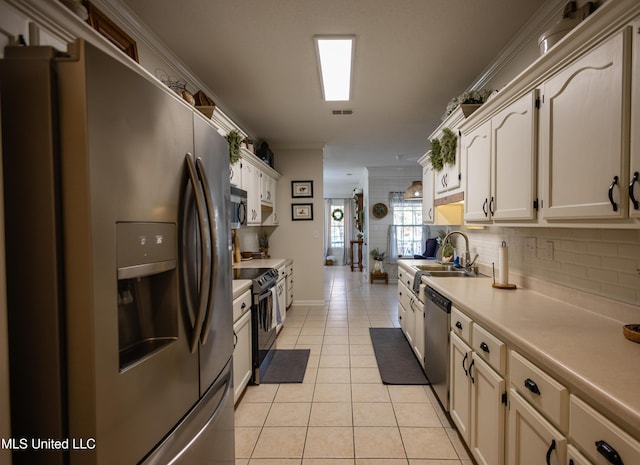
(435, 156)
(235, 141)
(337, 214)
(443, 150)
(448, 140)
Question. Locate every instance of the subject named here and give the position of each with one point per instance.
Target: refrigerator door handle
(211, 212)
(205, 254)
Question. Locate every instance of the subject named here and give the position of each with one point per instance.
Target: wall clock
(379, 210)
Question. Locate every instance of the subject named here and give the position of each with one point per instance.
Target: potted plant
(263, 242)
(234, 138)
(473, 99)
(378, 257)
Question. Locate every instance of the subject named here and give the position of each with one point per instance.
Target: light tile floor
(342, 414)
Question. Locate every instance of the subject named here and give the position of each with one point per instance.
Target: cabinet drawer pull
(473, 381)
(484, 347)
(459, 325)
(531, 385)
(243, 306)
(466, 355)
(235, 339)
(552, 446)
(491, 210)
(631, 196)
(484, 207)
(609, 453)
(614, 205)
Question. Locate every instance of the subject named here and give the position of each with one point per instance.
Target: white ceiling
(412, 57)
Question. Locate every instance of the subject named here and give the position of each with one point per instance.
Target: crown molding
(529, 32)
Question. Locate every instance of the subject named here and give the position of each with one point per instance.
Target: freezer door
(205, 436)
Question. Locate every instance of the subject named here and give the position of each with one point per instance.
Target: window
(407, 221)
(337, 225)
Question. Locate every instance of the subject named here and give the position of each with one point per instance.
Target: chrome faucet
(467, 256)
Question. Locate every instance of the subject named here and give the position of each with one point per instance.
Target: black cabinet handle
(484, 347)
(459, 325)
(473, 381)
(631, 196)
(243, 306)
(550, 450)
(484, 207)
(608, 453)
(614, 205)
(531, 385)
(491, 210)
(466, 355)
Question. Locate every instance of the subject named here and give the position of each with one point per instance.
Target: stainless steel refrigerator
(118, 266)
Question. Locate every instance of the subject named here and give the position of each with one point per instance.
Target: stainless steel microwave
(238, 208)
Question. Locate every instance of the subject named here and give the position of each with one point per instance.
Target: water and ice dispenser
(147, 289)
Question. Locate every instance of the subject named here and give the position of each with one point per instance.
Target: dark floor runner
(396, 362)
(287, 366)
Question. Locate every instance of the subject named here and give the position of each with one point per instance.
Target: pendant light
(414, 192)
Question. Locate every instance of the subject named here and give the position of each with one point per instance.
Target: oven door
(264, 331)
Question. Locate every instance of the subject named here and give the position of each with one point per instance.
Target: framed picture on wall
(301, 189)
(301, 211)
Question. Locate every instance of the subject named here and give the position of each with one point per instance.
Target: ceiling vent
(342, 112)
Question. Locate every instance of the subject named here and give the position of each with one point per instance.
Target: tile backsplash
(604, 262)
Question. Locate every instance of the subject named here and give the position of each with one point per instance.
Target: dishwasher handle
(438, 299)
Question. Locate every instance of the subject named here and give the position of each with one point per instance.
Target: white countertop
(585, 351)
(263, 263)
(239, 286)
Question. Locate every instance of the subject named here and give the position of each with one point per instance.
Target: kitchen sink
(452, 274)
(435, 267)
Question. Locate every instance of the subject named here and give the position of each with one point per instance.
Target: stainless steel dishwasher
(437, 310)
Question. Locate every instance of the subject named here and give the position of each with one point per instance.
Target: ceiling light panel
(335, 61)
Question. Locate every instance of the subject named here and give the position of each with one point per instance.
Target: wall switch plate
(546, 251)
(530, 247)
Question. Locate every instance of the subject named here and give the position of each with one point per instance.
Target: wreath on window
(337, 214)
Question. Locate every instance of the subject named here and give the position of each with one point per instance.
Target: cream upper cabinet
(449, 177)
(514, 160)
(583, 151)
(251, 183)
(634, 172)
(476, 146)
(428, 212)
(501, 164)
(448, 181)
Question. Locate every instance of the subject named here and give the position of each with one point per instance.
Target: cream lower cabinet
(601, 441)
(289, 285)
(584, 156)
(281, 293)
(576, 458)
(532, 439)
(242, 344)
(477, 403)
(418, 328)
